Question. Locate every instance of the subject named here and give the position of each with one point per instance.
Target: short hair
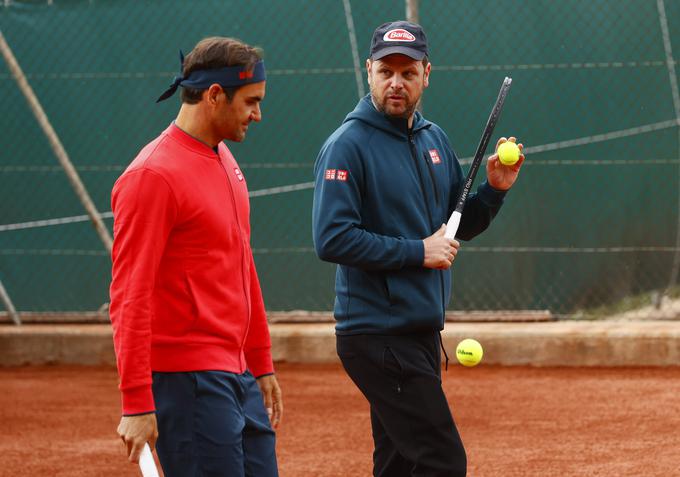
(217, 52)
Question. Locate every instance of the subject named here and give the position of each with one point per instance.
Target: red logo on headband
(399, 35)
(245, 75)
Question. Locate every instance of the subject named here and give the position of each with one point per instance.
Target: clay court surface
(515, 421)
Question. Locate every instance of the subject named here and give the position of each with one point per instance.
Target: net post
(358, 76)
(412, 11)
(4, 297)
(413, 16)
(55, 143)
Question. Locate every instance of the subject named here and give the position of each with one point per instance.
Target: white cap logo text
(399, 35)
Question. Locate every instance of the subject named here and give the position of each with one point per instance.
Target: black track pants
(413, 430)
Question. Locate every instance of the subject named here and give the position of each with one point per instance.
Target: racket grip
(146, 463)
(452, 225)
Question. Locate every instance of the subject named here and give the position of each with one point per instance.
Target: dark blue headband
(228, 77)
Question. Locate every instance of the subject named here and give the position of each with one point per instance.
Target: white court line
(281, 189)
(289, 250)
(604, 137)
(310, 185)
(277, 165)
(120, 168)
(553, 66)
(83, 168)
(168, 74)
(603, 162)
(473, 249)
(583, 141)
(48, 222)
(571, 249)
(53, 252)
(466, 160)
(107, 215)
(301, 165)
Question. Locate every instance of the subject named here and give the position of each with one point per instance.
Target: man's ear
(211, 95)
(426, 78)
(368, 70)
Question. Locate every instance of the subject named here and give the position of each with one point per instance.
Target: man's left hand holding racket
(137, 432)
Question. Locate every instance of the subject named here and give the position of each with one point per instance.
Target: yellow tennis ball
(508, 153)
(469, 352)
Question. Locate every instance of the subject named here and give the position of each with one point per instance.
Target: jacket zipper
(243, 278)
(414, 155)
(434, 183)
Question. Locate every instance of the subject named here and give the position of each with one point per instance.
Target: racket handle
(146, 463)
(452, 225)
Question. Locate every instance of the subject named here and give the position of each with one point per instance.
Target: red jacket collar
(189, 141)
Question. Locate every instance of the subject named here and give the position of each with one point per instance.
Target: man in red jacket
(190, 331)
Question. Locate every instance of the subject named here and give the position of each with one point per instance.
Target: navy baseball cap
(400, 37)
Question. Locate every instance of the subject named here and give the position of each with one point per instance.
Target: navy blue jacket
(380, 190)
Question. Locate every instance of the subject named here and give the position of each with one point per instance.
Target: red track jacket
(184, 293)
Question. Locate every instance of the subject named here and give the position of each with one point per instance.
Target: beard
(383, 105)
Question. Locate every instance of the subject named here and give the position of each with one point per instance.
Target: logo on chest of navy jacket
(335, 175)
(238, 173)
(434, 155)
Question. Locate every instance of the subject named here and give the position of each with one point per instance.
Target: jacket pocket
(361, 294)
(415, 298)
(391, 364)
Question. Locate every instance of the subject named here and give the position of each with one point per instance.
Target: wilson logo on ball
(399, 35)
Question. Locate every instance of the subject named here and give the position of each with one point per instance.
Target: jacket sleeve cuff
(415, 253)
(489, 195)
(138, 400)
(260, 362)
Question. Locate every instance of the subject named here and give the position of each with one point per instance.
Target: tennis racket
(146, 463)
(454, 220)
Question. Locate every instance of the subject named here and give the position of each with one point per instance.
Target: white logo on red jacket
(399, 34)
(238, 173)
(434, 155)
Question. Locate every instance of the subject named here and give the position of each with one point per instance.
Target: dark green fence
(593, 219)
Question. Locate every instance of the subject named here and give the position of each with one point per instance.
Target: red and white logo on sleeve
(238, 173)
(434, 155)
(336, 175)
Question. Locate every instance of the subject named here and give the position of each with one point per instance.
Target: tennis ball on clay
(469, 352)
(508, 153)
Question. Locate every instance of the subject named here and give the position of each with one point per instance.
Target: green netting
(592, 220)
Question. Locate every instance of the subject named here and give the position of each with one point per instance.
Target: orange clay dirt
(539, 422)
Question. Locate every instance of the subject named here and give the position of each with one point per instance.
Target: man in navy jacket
(386, 182)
